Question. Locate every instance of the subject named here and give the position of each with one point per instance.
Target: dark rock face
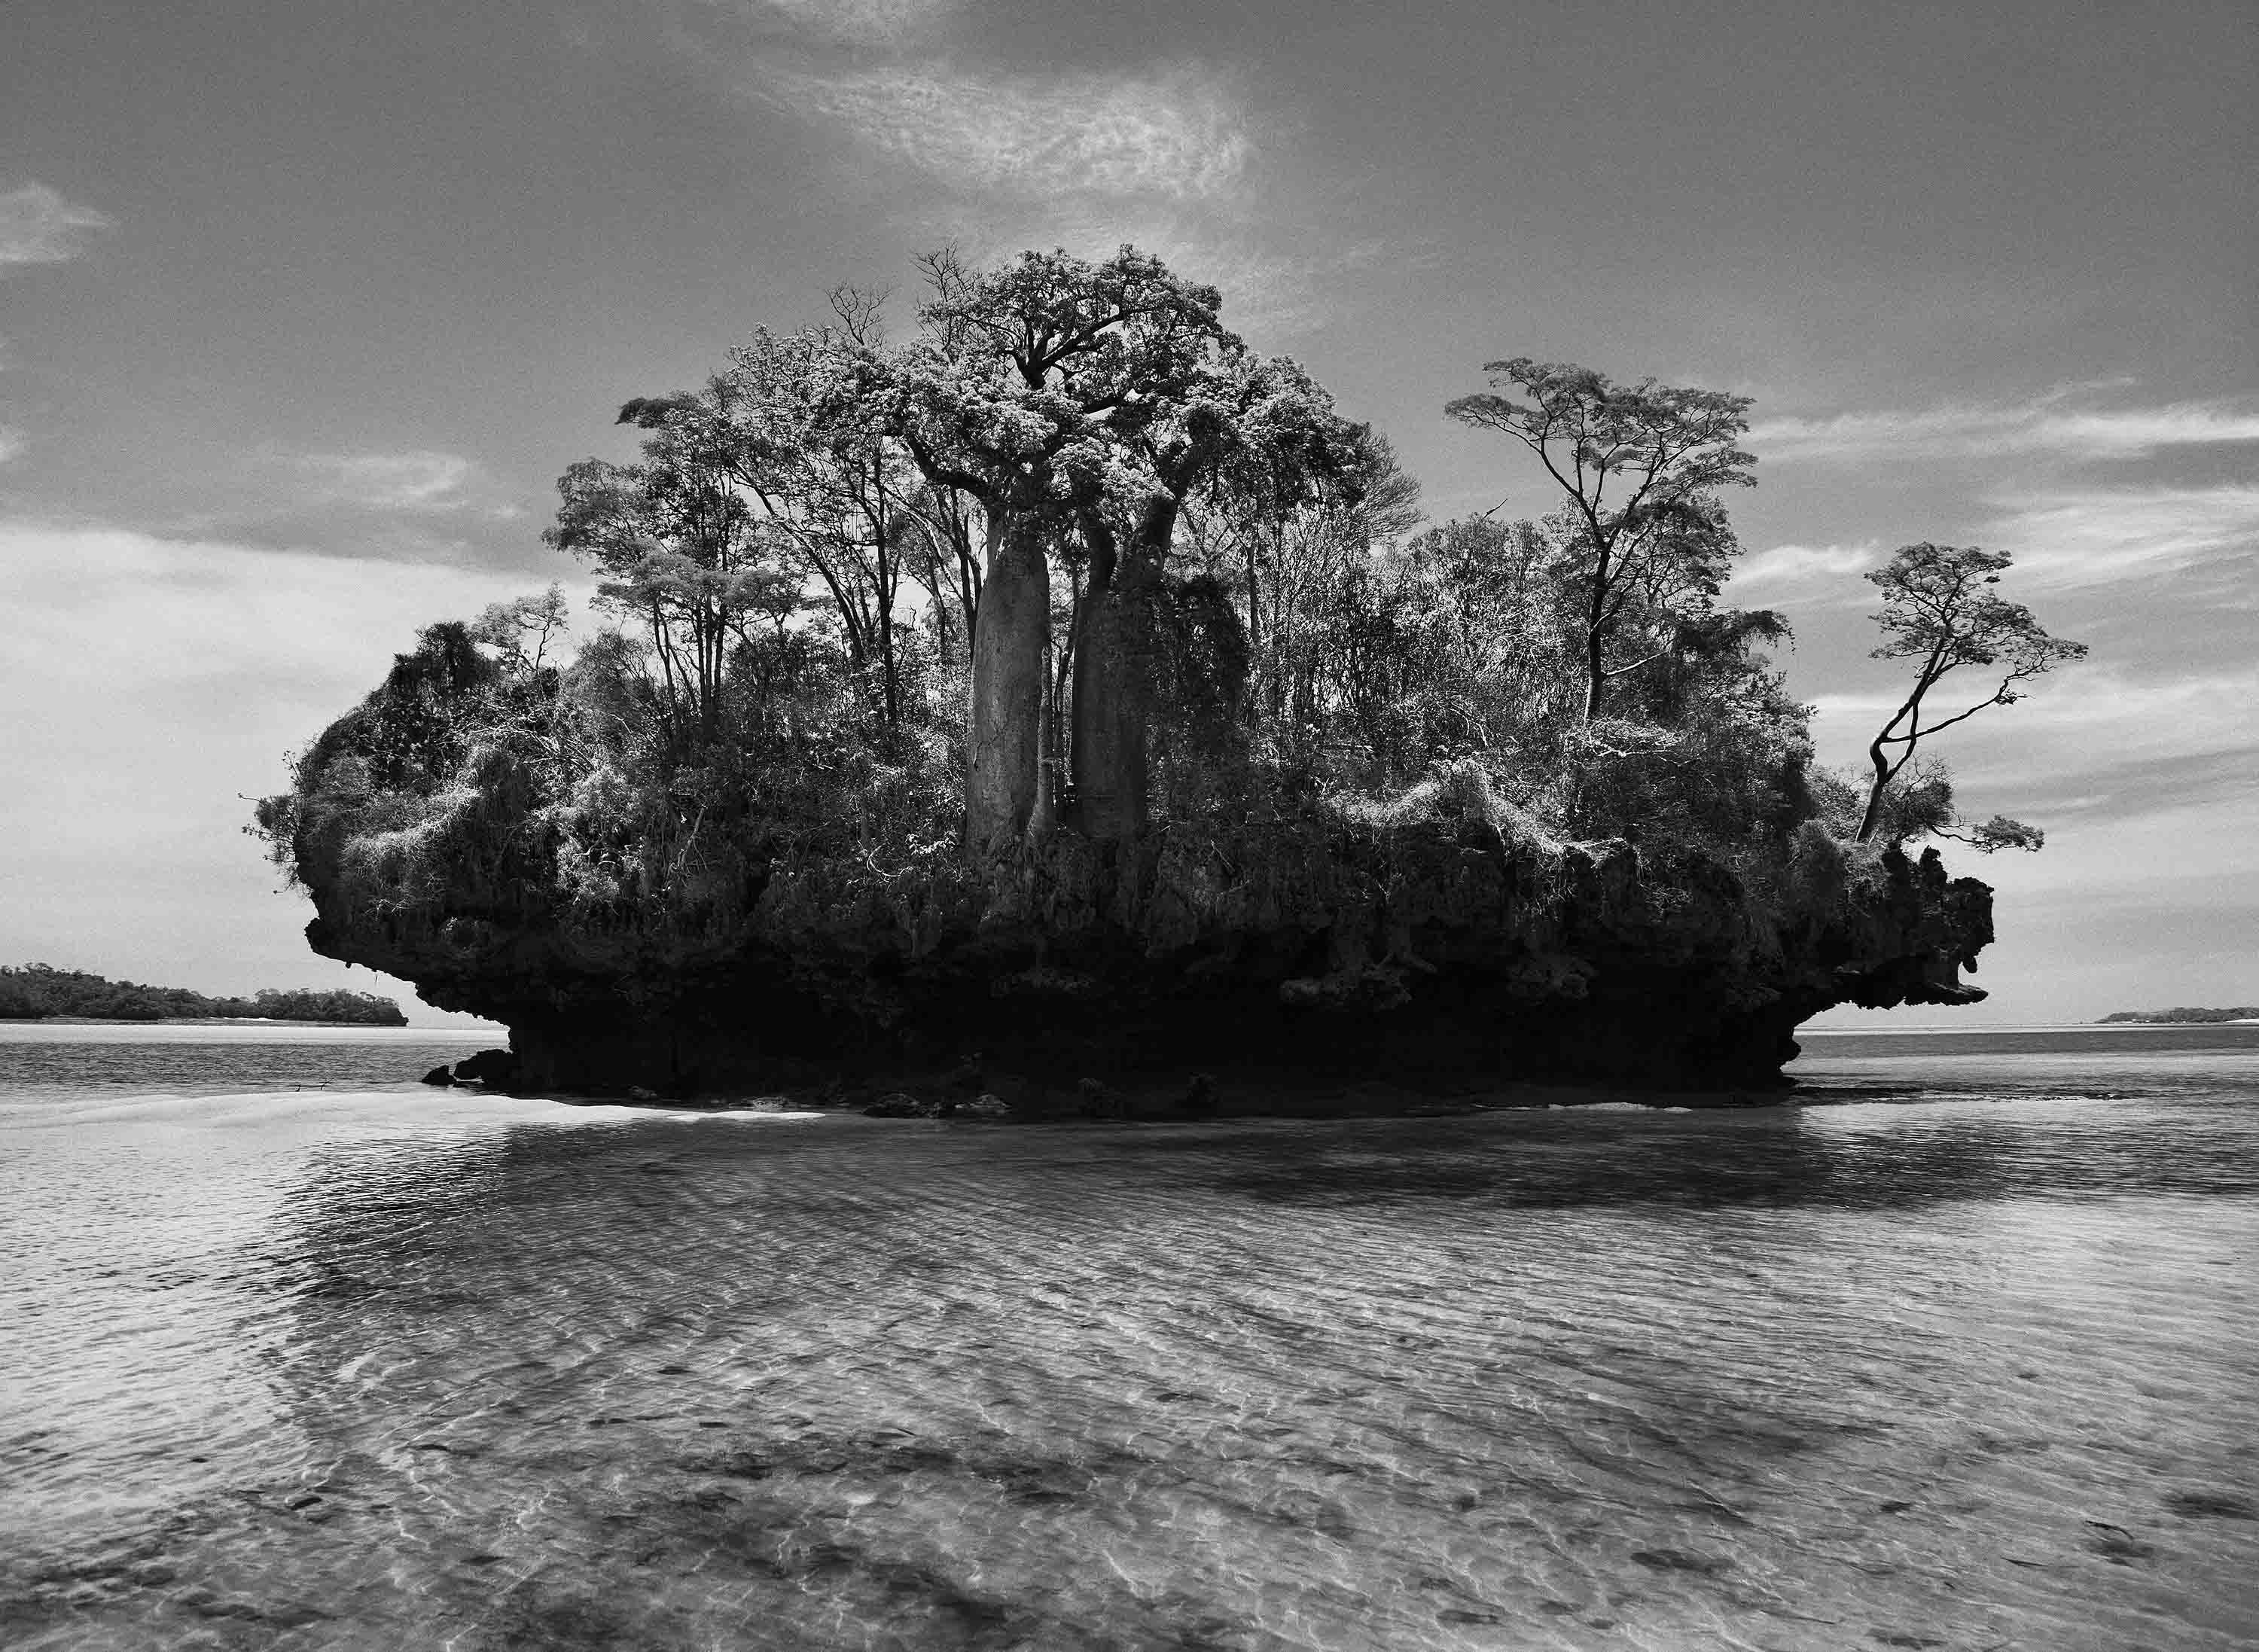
(1435, 952)
(902, 1104)
(497, 1069)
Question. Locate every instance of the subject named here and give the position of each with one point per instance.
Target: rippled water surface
(1959, 1352)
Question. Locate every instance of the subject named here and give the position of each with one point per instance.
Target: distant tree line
(2199, 1017)
(34, 992)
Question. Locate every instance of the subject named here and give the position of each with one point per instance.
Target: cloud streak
(1167, 155)
(2046, 425)
(1167, 159)
(2069, 538)
(133, 608)
(1173, 134)
(857, 22)
(1786, 567)
(2070, 525)
(390, 481)
(39, 226)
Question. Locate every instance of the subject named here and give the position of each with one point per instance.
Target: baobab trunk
(1113, 674)
(1110, 713)
(1004, 772)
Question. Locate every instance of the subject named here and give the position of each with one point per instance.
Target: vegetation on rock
(1069, 671)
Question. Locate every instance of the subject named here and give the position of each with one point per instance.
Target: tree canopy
(1638, 463)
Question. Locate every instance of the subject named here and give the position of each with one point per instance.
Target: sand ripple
(401, 1370)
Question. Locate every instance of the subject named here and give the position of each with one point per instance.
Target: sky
(305, 305)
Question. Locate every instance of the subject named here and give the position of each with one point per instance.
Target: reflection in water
(1970, 1373)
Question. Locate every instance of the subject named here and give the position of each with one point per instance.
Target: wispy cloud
(38, 227)
(390, 481)
(857, 22)
(12, 442)
(1794, 566)
(1171, 134)
(2073, 538)
(2056, 424)
(131, 600)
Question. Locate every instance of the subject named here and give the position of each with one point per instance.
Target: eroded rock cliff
(1443, 947)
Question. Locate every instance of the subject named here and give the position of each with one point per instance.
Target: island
(1070, 691)
(36, 992)
(2182, 1017)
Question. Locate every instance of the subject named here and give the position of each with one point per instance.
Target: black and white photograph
(1214, 826)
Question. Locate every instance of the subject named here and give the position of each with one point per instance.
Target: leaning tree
(1939, 609)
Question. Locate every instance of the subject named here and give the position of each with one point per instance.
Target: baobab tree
(1939, 608)
(1047, 401)
(1636, 461)
(1028, 390)
(1273, 430)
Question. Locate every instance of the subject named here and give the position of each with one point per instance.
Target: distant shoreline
(2238, 1015)
(40, 992)
(192, 1021)
(1940, 1029)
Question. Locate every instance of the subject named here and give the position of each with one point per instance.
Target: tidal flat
(1954, 1352)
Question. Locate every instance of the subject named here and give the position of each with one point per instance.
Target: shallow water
(1959, 1355)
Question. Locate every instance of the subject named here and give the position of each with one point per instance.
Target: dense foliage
(36, 991)
(881, 623)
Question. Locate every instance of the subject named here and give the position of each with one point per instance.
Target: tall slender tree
(832, 494)
(682, 558)
(1634, 461)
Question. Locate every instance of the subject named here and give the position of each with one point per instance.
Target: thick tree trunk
(1110, 713)
(1004, 778)
(1113, 675)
